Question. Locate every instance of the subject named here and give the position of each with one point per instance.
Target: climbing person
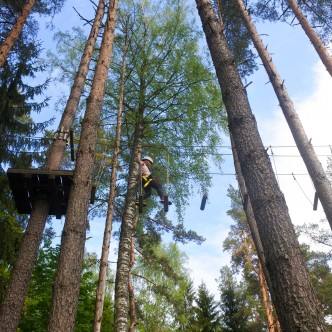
(149, 181)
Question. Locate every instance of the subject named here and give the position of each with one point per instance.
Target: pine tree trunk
(250, 214)
(254, 234)
(20, 276)
(314, 167)
(15, 32)
(312, 35)
(56, 153)
(67, 282)
(296, 303)
(262, 284)
(100, 293)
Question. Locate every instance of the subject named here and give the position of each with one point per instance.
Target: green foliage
(16, 106)
(238, 241)
(162, 288)
(43, 7)
(17, 103)
(236, 305)
(237, 36)
(38, 301)
(318, 13)
(207, 311)
(317, 234)
(318, 263)
(11, 231)
(172, 84)
(185, 311)
(69, 49)
(18, 95)
(243, 299)
(86, 304)
(245, 295)
(181, 100)
(160, 224)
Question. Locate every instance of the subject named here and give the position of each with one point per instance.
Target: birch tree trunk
(132, 304)
(312, 35)
(121, 304)
(20, 276)
(296, 303)
(67, 282)
(15, 32)
(314, 167)
(100, 293)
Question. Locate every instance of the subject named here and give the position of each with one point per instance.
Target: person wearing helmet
(149, 181)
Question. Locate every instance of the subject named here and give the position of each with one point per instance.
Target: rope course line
(182, 153)
(302, 189)
(275, 166)
(182, 146)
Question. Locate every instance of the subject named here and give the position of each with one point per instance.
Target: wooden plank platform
(27, 185)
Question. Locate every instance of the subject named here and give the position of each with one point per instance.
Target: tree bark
(254, 234)
(296, 303)
(121, 305)
(56, 153)
(247, 207)
(15, 32)
(100, 293)
(67, 282)
(312, 35)
(132, 305)
(127, 228)
(265, 296)
(314, 167)
(20, 276)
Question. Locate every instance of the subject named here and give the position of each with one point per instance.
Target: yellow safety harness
(147, 180)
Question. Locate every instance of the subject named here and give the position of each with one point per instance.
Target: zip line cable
(275, 166)
(302, 189)
(180, 146)
(187, 153)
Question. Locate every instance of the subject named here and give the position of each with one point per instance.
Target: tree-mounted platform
(27, 185)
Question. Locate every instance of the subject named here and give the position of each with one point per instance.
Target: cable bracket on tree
(62, 135)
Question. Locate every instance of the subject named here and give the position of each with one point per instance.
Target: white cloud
(205, 267)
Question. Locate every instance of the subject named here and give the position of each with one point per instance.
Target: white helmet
(148, 158)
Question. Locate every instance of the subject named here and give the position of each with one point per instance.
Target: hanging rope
(140, 186)
(100, 171)
(167, 172)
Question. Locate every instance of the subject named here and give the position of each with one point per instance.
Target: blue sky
(309, 86)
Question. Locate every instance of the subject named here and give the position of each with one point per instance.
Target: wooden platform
(30, 184)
